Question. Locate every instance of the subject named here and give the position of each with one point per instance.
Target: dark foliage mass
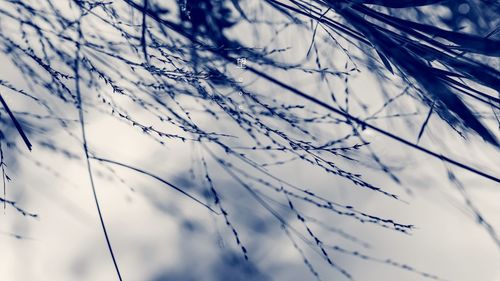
(160, 65)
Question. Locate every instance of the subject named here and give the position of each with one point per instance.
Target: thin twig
(16, 123)
(85, 148)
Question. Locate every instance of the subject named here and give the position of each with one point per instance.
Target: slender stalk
(85, 148)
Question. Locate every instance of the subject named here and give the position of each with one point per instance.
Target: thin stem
(156, 178)
(85, 148)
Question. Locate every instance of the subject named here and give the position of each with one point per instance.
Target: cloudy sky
(158, 234)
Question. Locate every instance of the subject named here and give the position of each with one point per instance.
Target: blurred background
(176, 110)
